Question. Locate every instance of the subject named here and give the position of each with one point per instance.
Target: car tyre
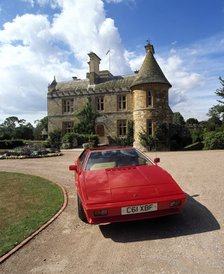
(81, 212)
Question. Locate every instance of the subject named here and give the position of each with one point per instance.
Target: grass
(26, 203)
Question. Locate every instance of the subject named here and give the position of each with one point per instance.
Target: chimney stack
(94, 65)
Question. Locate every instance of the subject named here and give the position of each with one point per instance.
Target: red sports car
(122, 184)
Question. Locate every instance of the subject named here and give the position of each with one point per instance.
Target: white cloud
(52, 3)
(135, 60)
(95, 33)
(29, 60)
(33, 50)
(193, 72)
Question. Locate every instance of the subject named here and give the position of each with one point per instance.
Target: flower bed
(29, 152)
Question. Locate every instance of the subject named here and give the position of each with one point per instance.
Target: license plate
(139, 209)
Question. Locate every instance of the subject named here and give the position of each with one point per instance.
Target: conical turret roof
(150, 71)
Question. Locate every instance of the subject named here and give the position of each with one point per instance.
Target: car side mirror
(156, 160)
(73, 167)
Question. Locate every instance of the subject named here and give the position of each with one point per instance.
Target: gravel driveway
(190, 243)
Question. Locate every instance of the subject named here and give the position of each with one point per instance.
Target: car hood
(128, 183)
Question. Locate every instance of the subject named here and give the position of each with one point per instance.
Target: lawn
(26, 203)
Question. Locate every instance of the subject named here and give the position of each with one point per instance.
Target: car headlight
(100, 212)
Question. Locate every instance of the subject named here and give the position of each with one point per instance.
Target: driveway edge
(12, 251)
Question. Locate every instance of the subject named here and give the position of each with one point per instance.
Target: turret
(150, 97)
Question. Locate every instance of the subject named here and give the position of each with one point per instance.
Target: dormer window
(149, 98)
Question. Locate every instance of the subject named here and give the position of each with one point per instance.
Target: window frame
(66, 128)
(121, 102)
(67, 106)
(121, 127)
(100, 103)
(149, 99)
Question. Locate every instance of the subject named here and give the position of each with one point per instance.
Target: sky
(40, 39)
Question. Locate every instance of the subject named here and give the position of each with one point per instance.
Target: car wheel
(81, 212)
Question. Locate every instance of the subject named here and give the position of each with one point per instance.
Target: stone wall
(158, 112)
(136, 109)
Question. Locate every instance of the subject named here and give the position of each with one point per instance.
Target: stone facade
(141, 98)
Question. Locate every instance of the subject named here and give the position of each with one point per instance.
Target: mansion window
(149, 127)
(100, 103)
(67, 106)
(149, 98)
(67, 127)
(121, 102)
(121, 127)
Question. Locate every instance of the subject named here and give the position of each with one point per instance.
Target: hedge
(214, 140)
(75, 139)
(10, 144)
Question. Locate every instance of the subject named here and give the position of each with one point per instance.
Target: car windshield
(116, 158)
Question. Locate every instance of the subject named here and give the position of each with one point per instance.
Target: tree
(192, 122)
(15, 128)
(7, 128)
(178, 119)
(42, 125)
(179, 134)
(217, 111)
(87, 119)
(24, 131)
(214, 140)
(220, 92)
(146, 140)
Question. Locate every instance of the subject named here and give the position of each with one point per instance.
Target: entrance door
(100, 130)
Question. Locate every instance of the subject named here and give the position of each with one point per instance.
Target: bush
(74, 139)
(10, 144)
(87, 138)
(147, 140)
(70, 140)
(214, 140)
(122, 141)
(55, 139)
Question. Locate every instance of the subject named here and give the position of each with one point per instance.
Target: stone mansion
(141, 97)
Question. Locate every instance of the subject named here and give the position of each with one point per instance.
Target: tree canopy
(15, 128)
(87, 118)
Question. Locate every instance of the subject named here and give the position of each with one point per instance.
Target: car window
(82, 158)
(116, 158)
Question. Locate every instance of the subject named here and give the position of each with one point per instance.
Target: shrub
(70, 140)
(10, 144)
(214, 140)
(147, 140)
(74, 139)
(55, 139)
(87, 138)
(122, 141)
